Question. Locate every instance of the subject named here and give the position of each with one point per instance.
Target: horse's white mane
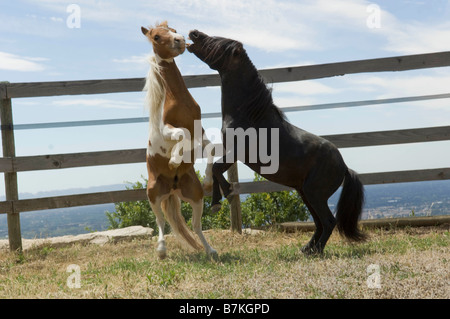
(154, 85)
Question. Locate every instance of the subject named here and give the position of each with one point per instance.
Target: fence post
(235, 201)
(11, 188)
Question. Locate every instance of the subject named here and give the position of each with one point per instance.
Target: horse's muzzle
(194, 34)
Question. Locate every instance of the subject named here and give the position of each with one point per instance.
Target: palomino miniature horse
(308, 163)
(172, 111)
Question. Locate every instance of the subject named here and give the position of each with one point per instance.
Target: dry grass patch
(412, 263)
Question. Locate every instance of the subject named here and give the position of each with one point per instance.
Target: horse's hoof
(227, 193)
(213, 254)
(161, 250)
(216, 208)
(161, 254)
(309, 250)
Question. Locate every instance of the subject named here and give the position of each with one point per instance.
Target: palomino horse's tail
(349, 207)
(171, 208)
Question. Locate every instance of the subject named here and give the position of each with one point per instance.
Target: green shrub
(140, 213)
(265, 209)
(261, 209)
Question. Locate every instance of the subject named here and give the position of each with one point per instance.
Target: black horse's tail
(349, 207)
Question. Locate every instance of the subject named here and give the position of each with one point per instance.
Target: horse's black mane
(260, 101)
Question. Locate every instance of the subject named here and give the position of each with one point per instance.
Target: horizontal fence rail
(59, 161)
(11, 164)
(288, 74)
(286, 109)
(27, 205)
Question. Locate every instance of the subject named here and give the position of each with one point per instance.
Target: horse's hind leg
(192, 192)
(310, 246)
(156, 191)
(325, 218)
(197, 212)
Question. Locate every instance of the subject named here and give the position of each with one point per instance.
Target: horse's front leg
(156, 208)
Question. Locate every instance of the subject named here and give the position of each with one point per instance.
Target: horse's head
(167, 44)
(220, 54)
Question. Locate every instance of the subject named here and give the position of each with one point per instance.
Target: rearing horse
(173, 115)
(306, 162)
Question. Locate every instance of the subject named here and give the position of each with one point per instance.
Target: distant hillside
(63, 221)
(405, 199)
(389, 200)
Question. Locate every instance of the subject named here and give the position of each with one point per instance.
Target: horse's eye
(156, 38)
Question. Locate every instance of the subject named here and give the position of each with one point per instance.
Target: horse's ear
(144, 31)
(239, 49)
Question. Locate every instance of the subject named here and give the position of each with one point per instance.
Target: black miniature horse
(308, 163)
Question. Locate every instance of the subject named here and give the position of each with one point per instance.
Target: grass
(412, 263)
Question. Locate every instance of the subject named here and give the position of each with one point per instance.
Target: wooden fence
(10, 164)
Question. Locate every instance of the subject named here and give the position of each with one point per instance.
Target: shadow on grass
(350, 251)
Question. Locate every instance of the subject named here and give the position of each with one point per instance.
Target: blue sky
(37, 44)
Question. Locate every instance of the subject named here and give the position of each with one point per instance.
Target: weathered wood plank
(72, 160)
(3, 89)
(11, 187)
(204, 80)
(27, 205)
(430, 134)
(406, 221)
(308, 72)
(235, 201)
(36, 89)
(366, 179)
(6, 207)
(57, 161)
(33, 126)
(398, 63)
(243, 188)
(6, 164)
(291, 227)
(55, 88)
(406, 176)
(60, 161)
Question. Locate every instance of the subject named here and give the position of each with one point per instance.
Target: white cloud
(387, 86)
(138, 59)
(269, 25)
(12, 62)
(303, 88)
(133, 63)
(404, 85)
(418, 38)
(56, 19)
(101, 103)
